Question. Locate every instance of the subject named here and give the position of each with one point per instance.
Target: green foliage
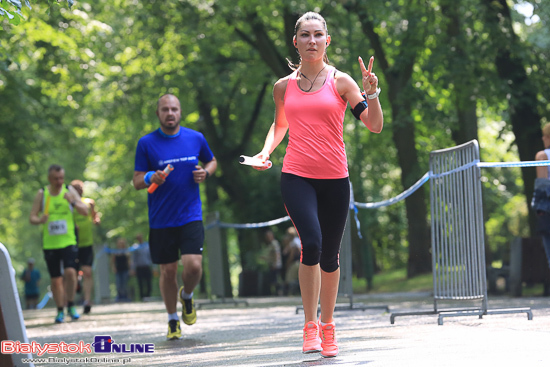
(11, 9)
(79, 87)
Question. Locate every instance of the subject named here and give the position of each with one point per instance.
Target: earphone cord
(312, 82)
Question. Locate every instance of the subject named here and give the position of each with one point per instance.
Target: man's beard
(171, 127)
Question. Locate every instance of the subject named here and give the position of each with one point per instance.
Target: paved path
(268, 333)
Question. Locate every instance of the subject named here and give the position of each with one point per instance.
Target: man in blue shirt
(175, 208)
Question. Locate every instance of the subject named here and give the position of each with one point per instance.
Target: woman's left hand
(370, 80)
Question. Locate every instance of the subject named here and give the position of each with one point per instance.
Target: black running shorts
(85, 256)
(167, 244)
(59, 259)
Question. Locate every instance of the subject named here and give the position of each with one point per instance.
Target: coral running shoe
(188, 314)
(328, 340)
(312, 343)
(174, 330)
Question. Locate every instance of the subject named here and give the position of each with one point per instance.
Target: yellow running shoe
(174, 331)
(188, 313)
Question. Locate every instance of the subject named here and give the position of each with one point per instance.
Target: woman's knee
(329, 264)
(311, 253)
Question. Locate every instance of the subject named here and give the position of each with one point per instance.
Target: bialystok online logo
(102, 344)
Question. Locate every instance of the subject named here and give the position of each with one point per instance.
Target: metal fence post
(101, 271)
(213, 242)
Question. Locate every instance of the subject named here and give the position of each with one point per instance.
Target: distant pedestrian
(275, 263)
(120, 262)
(31, 277)
(291, 252)
(141, 266)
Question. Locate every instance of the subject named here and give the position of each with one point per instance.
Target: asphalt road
(268, 333)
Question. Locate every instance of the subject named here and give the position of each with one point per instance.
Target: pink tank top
(316, 127)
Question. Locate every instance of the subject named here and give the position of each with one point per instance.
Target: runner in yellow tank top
(56, 202)
(84, 225)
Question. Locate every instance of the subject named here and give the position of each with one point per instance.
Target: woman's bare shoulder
(279, 89)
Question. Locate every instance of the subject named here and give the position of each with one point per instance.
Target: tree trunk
(398, 77)
(418, 234)
(524, 116)
(466, 128)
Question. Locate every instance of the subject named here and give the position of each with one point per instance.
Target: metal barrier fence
(457, 225)
(458, 247)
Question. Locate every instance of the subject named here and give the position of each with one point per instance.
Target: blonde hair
(310, 15)
(546, 130)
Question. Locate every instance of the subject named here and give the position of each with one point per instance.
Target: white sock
(173, 316)
(186, 295)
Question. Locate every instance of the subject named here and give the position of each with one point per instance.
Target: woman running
(311, 103)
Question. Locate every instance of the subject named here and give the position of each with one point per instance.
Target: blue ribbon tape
(354, 205)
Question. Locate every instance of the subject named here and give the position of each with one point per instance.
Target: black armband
(359, 108)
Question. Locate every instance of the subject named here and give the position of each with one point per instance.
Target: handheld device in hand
(251, 161)
(169, 168)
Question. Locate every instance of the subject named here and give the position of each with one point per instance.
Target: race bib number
(57, 227)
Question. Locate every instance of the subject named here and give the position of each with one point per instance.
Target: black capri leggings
(318, 209)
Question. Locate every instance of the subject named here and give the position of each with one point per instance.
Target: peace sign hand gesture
(370, 80)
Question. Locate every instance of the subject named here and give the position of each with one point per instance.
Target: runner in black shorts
(84, 265)
(53, 208)
(85, 237)
(175, 208)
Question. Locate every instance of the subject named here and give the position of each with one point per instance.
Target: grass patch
(394, 281)
(535, 290)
